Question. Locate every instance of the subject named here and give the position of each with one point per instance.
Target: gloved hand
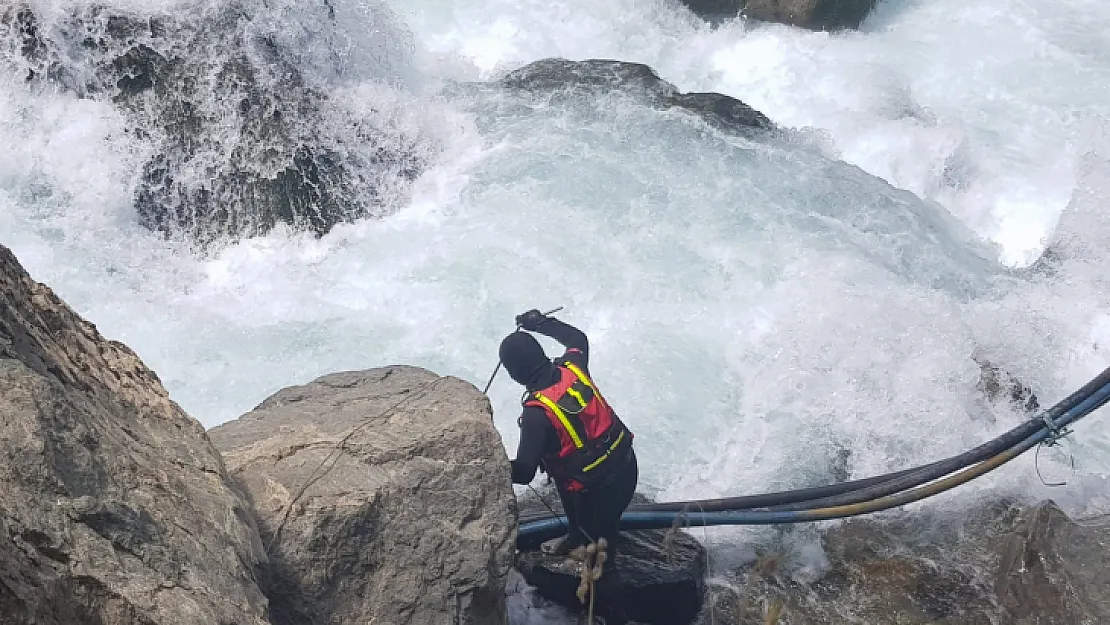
(531, 320)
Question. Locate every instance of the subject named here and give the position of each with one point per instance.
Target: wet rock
(240, 138)
(811, 14)
(384, 496)
(114, 507)
(1054, 570)
(999, 385)
(663, 572)
(560, 78)
(1004, 563)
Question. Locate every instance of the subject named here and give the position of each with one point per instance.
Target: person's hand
(530, 320)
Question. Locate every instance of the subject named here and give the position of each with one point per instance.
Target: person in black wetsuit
(569, 430)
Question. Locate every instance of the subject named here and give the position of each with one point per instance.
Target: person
(569, 430)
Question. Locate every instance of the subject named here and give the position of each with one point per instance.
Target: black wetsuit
(595, 513)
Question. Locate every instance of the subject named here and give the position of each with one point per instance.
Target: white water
(753, 307)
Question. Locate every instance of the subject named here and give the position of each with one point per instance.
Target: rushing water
(754, 305)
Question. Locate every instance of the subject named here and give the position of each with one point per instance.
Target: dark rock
(721, 111)
(811, 14)
(114, 507)
(999, 385)
(1054, 570)
(590, 76)
(243, 139)
(663, 572)
(560, 79)
(385, 498)
(1001, 564)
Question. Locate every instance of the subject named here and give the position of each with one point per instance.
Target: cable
(1076, 406)
(894, 482)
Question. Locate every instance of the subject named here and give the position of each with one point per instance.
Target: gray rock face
(407, 514)
(663, 572)
(1003, 564)
(241, 138)
(114, 507)
(811, 14)
(1053, 570)
(562, 78)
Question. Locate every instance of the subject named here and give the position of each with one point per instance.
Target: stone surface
(407, 514)
(1054, 570)
(999, 385)
(562, 78)
(663, 572)
(812, 14)
(115, 509)
(1003, 564)
(239, 134)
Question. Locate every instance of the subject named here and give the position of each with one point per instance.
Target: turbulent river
(760, 309)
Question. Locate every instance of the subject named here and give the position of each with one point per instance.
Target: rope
(339, 447)
(1055, 435)
(592, 568)
(1037, 464)
(682, 520)
(549, 508)
(593, 562)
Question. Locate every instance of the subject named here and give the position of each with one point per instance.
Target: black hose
(847, 493)
(535, 531)
(938, 470)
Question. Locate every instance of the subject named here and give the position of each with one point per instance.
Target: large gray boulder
(115, 509)
(384, 496)
(811, 14)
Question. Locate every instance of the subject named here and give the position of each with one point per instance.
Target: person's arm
(533, 436)
(569, 336)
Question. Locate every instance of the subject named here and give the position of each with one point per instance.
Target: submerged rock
(1003, 564)
(997, 385)
(811, 14)
(384, 496)
(242, 140)
(563, 78)
(114, 507)
(663, 572)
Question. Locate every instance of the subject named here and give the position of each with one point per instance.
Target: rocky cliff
(115, 509)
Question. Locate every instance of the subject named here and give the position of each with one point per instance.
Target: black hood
(525, 360)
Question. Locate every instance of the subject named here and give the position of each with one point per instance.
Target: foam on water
(979, 106)
(754, 306)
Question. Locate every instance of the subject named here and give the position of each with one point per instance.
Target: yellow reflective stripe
(582, 376)
(594, 464)
(562, 418)
(575, 394)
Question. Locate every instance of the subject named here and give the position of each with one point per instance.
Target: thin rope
(1037, 460)
(549, 508)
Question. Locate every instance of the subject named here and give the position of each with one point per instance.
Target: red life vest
(594, 443)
